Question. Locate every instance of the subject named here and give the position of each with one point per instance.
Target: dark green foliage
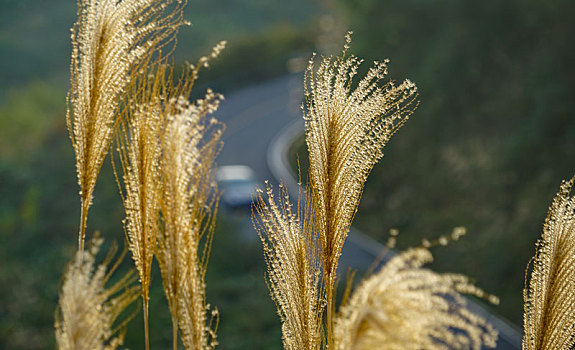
(35, 34)
(260, 57)
(493, 136)
(236, 285)
(38, 222)
(29, 116)
(34, 249)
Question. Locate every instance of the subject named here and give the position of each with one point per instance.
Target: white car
(237, 184)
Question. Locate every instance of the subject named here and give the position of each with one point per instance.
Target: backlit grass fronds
(293, 268)
(190, 142)
(111, 42)
(139, 153)
(405, 306)
(88, 312)
(347, 125)
(549, 316)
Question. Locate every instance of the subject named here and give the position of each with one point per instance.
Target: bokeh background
(487, 148)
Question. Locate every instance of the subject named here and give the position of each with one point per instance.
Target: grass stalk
(145, 305)
(330, 309)
(83, 225)
(175, 333)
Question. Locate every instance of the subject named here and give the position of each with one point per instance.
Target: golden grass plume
(88, 312)
(139, 153)
(549, 308)
(111, 42)
(404, 306)
(293, 267)
(190, 141)
(143, 122)
(346, 128)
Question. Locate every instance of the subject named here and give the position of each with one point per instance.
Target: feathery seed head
(111, 42)
(549, 309)
(189, 141)
(347, 125)
(405, 306)
(292, 256)
(139, 153)
(88, 312)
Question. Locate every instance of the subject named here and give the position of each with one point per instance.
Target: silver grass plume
(139, 153)
(112, 41)
(293, 267)
(88, 311)
(347, 125)
(190, 141)
(404, 306)
(549, 309)
(189, 145)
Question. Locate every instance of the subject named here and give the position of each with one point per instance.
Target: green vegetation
(35, 35)
(492, 138)
(261, 57)
(38, 217)
(28, 117)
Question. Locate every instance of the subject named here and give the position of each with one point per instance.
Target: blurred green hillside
(35, 35)
(492, 138)
(494, 134)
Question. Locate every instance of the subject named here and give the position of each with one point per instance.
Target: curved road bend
(254, 116)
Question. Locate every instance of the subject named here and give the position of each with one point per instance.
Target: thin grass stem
(175, 333)
(83, 225)
(145, 305)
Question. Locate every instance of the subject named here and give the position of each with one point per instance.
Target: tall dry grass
(89, 308)
(190, 141)
(123, 89)
(112, 42)
(291, 253)
(549, 316)
(403, 306)
(347, 127)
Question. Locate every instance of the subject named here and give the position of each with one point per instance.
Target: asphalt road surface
(254, 116)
